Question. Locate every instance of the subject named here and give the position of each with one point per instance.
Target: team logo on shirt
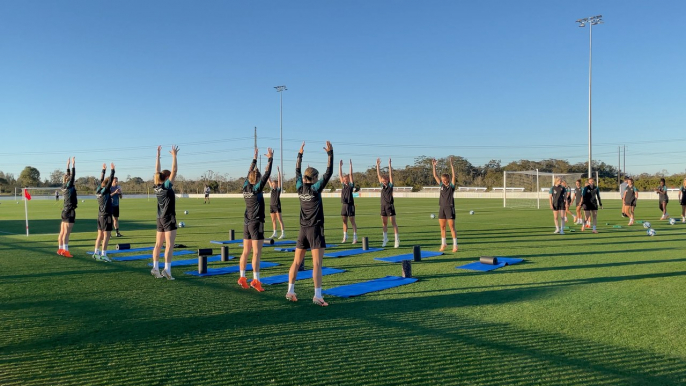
(306, 197)
(248, 194)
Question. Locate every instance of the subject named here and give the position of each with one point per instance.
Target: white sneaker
(156, 273)
(282, 235)
(562, 231)
(385, 241)
(167, 275)
(397, 243)
(105, 259)
(662, 218)
(273, 235)
(556, 231)
(683, 219)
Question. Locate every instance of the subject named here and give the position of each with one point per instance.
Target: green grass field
(583, 309)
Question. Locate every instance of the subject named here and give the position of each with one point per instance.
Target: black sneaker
(119, 234)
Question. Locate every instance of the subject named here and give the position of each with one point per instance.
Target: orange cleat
(256, 285)
(66, 253)
(60, 251)
(243, 282)
(291, 297)
(320, 302)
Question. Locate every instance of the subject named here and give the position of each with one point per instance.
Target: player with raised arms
(69, 209)
(103, 194)
(661, 190)
(446, 203)
(347, 202)
(590, 200)
(253, 220)
(166, 215)
(275, 203)
(629, 199)
(682, 201)
(558, 204)
(116, 195)
(387, 202)
(311, 235)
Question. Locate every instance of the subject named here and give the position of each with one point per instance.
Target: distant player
(57, 195)
(590, 200)
(558, 204)
(166, 215)
(207, 195)
(446, 204)
(69, 209)
(682, 201)
(576, 197)
(661, 190)
(347, 202)
(311, 235)
(275, 204)
(387, 206)
(568, 198)
(622, 189)
(103, 194)
(629, 199)
(116, 195)
(253, 224)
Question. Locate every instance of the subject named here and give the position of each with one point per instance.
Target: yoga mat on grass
(231, 269)
(407, 256)
(226, 241)
(304, 275)
(276, 243)
(115, 251)
(149, 256)
(351, 252)
(292, 249)
(346, 291)
(502, 261)
(181, 263)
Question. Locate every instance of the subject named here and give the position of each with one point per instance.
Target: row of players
(311, 234)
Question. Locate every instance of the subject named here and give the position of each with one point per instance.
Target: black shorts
(558, 206)
(683, 200)
(105, 223)
(69, 216)
(253, 231)
(446, 213)
(207, 195)
(578, 201)
(115, 211)
(348, 210)
(590, 207)
(311, 238)
(274, 208)
(166, 224)
(632, 203)
(387, 210)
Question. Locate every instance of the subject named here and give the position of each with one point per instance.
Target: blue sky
(109, 81)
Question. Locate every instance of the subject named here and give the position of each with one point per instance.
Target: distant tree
(30, 176)
(3, 183)
(56, 177)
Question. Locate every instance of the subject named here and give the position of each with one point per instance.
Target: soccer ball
(471, 212)
(433, 215)
(185, 212)
(182, 224)
(646, 225)
(651, 232)
(672, 221)
(83, 200)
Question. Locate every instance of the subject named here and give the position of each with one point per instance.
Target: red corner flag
(27, 195)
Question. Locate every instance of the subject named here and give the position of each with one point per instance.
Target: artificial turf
(581, 309)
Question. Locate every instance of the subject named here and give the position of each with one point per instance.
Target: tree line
(417, 175)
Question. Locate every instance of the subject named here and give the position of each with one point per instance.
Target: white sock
(291, 288)
(454, 241)
(97, 251)
(563, 224)
(61, 246)
(594, 227)
(442, 240)
(103, 253)
(256, 275)
(242, 273)
(396, 237)
(65, 247)
(385, 236)
(167, 267)
(156, 265)
(318, 292)
(354, 235)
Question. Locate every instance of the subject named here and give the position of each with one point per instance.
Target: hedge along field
(581, 309)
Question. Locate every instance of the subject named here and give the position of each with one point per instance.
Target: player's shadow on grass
(45, 226)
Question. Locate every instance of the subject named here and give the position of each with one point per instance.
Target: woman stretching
(387, 206)
(69, 209)
(275, 204)
(663, 197)
(103, 194)
(166, 215)
(347, 202)
(446, 204)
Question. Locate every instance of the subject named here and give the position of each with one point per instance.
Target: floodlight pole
(591, 21)
(280, 90)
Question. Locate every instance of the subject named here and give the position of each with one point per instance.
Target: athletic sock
(291, 288)
(167, 267)
(256, 275)
(454, 241)
(97, 251)
(242, 273)
(385, 235)
(318, 292)
(442, 240)
(156, 265)
(354, 235)
(65, 247)
(103, 253)
(396, 237)
(594, 227)
(60, 246)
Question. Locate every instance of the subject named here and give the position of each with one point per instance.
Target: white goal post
(525, 189)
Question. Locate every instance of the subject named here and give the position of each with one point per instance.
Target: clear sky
(110, 80)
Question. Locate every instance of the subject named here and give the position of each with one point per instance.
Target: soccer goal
(526, 189)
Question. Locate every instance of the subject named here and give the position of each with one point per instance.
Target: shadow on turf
(43, 226)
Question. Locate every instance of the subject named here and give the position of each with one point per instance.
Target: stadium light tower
(590, 21)
(280, 90)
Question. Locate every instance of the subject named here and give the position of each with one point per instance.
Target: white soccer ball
(471, 212)
(182, 224)
(672, 221)
(433, 215)
(185, 212)
(651, 232)
(646, 225)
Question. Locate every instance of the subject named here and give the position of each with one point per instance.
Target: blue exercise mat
(304, 275)
(346, 291)
(149, 256)
(231, 269)
(502, 261)
(115, 251)
(226, 241)
(292, 249)
(181, 263)
(407, 256)
(277, 243)
(351, 252)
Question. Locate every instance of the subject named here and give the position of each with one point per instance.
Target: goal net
(526, 189)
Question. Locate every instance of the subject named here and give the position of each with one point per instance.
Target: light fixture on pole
(280, 90)
(590, 21)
